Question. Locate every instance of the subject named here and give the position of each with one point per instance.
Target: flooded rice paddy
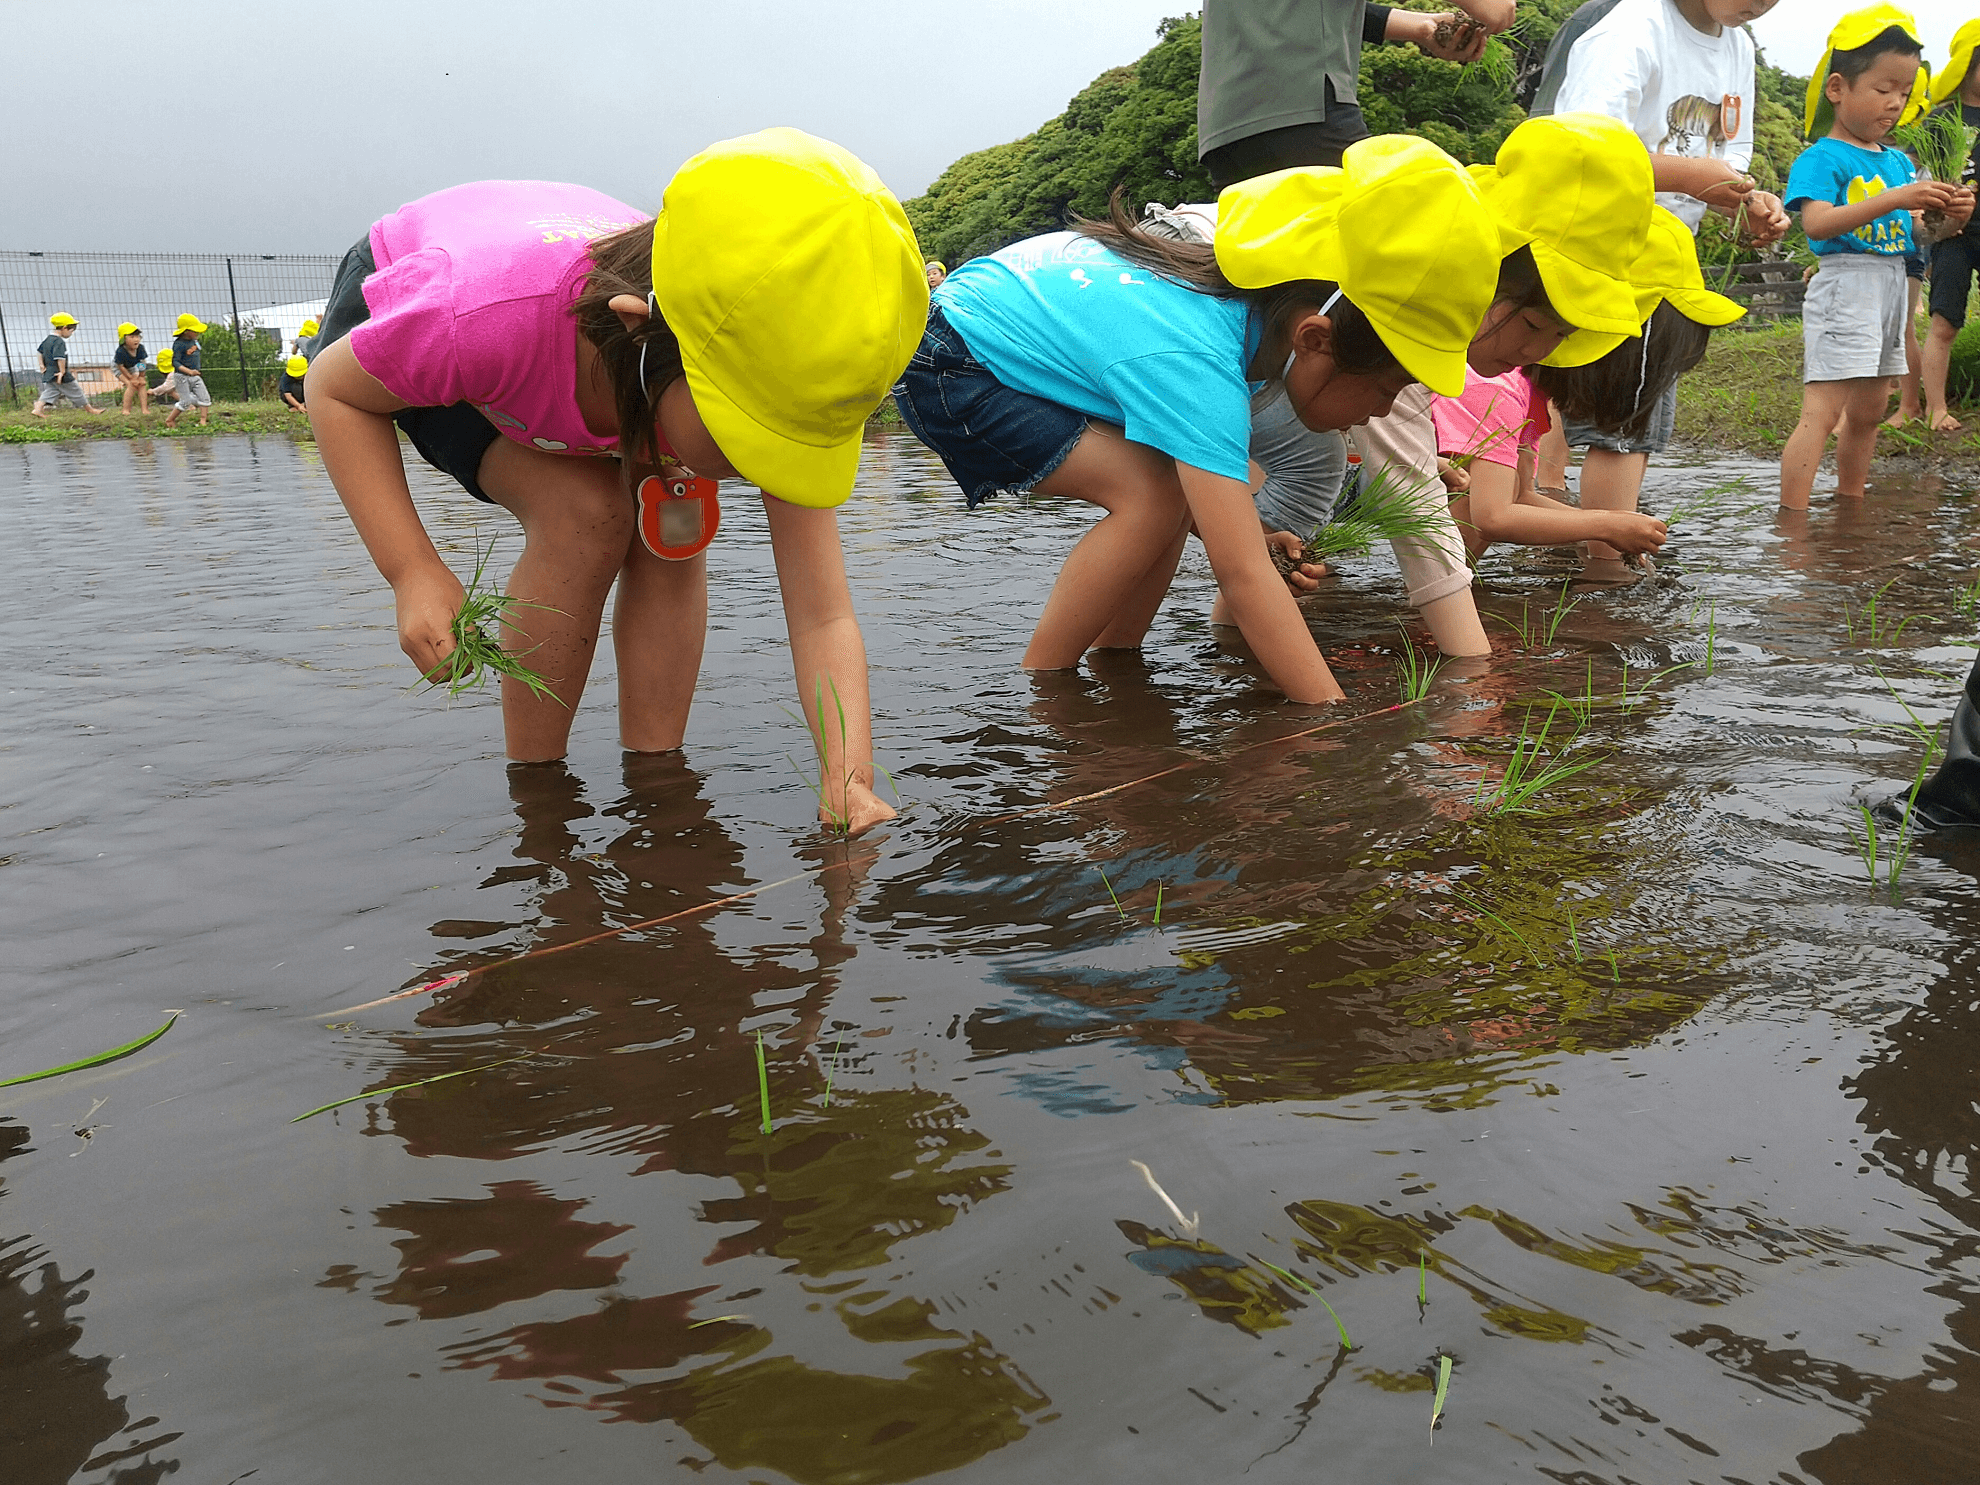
(1643, 1108)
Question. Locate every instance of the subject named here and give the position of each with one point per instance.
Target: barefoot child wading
(1856, 196)
(1114, 367)
(553, 352)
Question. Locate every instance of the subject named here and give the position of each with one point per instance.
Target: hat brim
(1438, 368)
(1705, 306)
(1585, 346)
(1582, 297)
(819, 476)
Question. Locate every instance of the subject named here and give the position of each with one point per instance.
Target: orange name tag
(678, 515)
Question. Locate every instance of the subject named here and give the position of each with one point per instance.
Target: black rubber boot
(1952, 795)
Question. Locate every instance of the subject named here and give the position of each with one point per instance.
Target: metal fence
(253, 305)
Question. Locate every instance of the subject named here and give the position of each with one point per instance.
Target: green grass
(96, 1060)
(18, 426)
(1415, 670)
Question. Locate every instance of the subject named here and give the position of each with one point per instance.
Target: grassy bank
(17, 425)
(1746, 395)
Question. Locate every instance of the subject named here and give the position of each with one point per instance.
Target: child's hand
(1767, 221)
(1630, 532)
(1305, 576)
(864, 810)
(1921, 195)
(427, 602)
(1961, 207)
(1456, 478)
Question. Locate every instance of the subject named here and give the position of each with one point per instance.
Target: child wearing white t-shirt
(1679, 73)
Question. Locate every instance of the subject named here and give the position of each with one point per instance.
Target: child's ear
(630, 310)
(1833, 88)
(1314, 334)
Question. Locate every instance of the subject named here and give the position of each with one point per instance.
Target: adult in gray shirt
(1280, 78)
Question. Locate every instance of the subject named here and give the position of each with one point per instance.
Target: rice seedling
(1901, 847)
(1389, 507)
(1866, 842)
(1443, 1388)
(832, 1067)
(719, 1319)
(1347, 1343)
(1536, 633)
(1574, 936)
(1415, 670)
(1868, 626)
(1615, 972)
(819, 790)
(1188, 1224)
(1422, 1280)
(417, 1083)
(1497, 65)
(96, 1060)
(1706, 499)
(1581, 707)
(1966, 603)
(763, 1082)
(1711, 636)
(1538, 762)
(1531, 952)
(476, 654)
(1158, 904)
(1113, 894)
(1940, 142)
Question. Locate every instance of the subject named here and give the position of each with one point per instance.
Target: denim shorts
(1652, 440)
(992, 438)
(451, 439)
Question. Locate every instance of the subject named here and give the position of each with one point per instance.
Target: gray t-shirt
(1267, 63)
(53, 350)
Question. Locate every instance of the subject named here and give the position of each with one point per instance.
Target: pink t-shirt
(1495, 418)
(471, 300)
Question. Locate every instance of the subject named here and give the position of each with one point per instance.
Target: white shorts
(1852, 319)
(190, 390)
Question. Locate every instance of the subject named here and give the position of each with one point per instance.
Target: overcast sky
(310, 120)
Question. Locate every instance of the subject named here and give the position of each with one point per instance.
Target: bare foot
(1899, 418)
(1945, 422)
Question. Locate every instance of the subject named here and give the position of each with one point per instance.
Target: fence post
(4, 345)
(240, 349)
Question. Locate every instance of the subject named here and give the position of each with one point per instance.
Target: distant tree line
(1135, 127)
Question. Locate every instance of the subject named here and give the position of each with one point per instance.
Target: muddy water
(1703, 1210)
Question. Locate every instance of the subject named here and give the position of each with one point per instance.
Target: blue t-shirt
(1838, 173)
(1065, 319)
(185, 353)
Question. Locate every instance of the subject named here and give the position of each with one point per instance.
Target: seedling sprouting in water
(1538, 762)
(1443, 1387)
(1113, 894)
(1347, 1343)
(1415, 670)
(1422, 1281)
(763, 1082)
(1536, 632)
(837, 820)
(1866, 626)
(476, 655)
(1388, 507)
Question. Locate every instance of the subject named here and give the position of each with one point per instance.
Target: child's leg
(659, 624)
(1937, 359)
(578, 524)
(1863, 408)
(1553, 461)
(1610, 481)
(1106, 571)
(1129, 627)
(1908, 384)
(1821, 405)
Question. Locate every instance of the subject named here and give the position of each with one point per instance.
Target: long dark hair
(623, 264)
(1356, 348)
(1618, 392)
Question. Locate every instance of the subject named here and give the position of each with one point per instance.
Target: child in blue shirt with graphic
(1856, 196)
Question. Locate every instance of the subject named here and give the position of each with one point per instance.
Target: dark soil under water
(1705, 1211)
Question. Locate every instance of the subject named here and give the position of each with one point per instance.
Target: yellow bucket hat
(309, 327)
(1860, 28)
(58, 319)
(192, 323)
(1400, 227)
(296, 365)
(127, 328)
(1667, 270)
(1949, 79)
(794, 284)
(1577, 189)
(165, 360)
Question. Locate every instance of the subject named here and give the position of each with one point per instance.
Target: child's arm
(829, 657)
(1822, 220)
(1500, 515)
(1258, 602)
(351, 414)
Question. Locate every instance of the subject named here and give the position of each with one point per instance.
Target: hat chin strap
(1643, 368)
(1293, 355)
(652, 312)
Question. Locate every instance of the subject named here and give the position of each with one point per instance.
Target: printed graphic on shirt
(1698, 126)
(1885, 234)
(565, 227)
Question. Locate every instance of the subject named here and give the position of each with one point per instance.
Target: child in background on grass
(1955, 95)
(554, 351)
(168, 387)
(290, 388)
(188, 386)
(1495, 427)
(59, 386)
(128, 359)
(1856, 196)
(1681, 74)
(1118, 368)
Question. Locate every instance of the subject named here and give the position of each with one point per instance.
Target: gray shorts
(190, 390)
(55, 394)
(1852, 319)
(1654, 439)
(1303, 468)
